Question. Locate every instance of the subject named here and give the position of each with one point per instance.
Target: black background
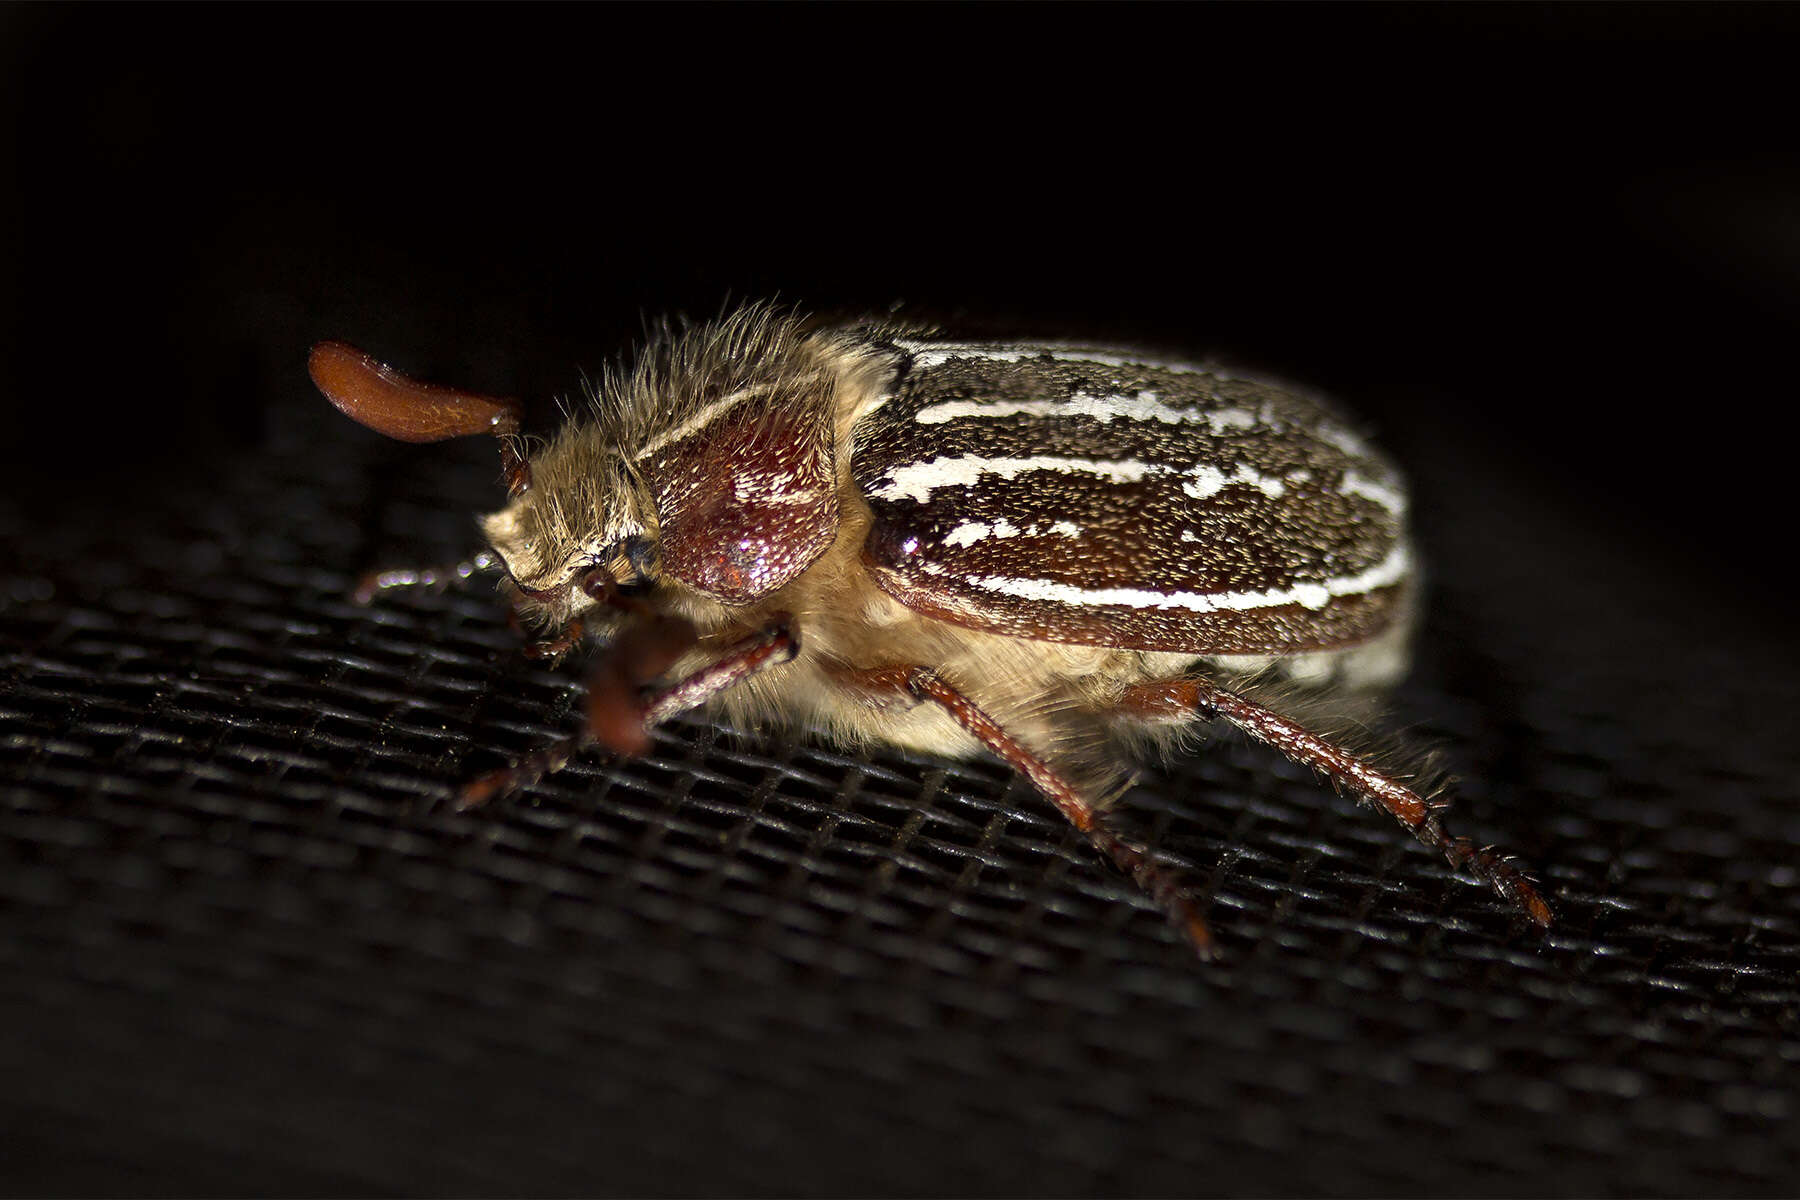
(1550, 253)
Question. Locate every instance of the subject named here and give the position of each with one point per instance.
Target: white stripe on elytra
(1143, 406)
(916, 481)
(970, 532)
(1210, 481)
(1389, 571)
(1357, 484)
(1336, 435)
(932, 354)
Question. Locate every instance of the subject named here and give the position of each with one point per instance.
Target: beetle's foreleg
(622, 701)
(439, 578)
(374, 583)
(774, 644)
(1162, 886)
(1184, 697)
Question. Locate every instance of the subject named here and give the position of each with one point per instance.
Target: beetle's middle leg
(1186, 698)
(1162, 886)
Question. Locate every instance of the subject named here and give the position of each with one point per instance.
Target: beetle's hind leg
(1189, 697)
(1160, 884)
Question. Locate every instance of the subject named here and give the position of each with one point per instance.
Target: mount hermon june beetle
(1037, 549)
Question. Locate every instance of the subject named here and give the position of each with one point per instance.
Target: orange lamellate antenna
(373, 394)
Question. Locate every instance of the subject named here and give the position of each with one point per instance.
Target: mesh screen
(246, 945)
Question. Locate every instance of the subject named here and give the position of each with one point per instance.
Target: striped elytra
(1090, 495)
(1047, 551)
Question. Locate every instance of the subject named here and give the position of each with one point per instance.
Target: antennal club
(373, 394)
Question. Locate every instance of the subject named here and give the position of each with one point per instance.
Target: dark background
(1551, 254)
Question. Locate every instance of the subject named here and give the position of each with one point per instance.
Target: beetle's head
(579, 528)
(583, 532)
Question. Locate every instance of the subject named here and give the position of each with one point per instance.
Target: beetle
(882, 534)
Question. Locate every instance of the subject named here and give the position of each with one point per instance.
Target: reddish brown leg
(1162, 886)
(766, 648)
(623, 704)
(1184, 697)
(376, 582)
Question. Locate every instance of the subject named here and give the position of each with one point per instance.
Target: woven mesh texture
(246, 947)
(245, 943)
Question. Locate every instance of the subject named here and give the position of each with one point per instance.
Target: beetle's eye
(628, 565)
(640, 552)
